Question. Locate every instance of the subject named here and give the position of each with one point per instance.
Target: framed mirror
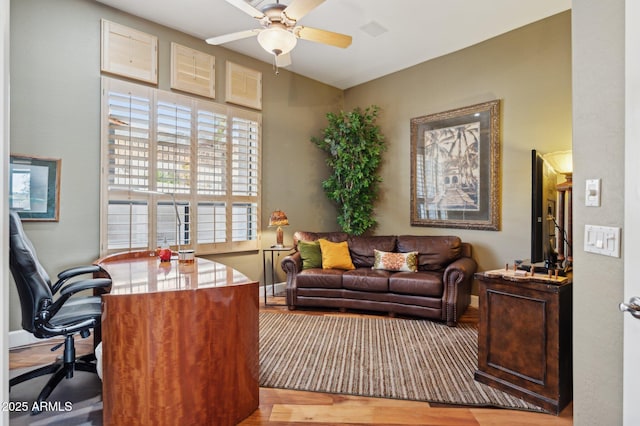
(455, 176)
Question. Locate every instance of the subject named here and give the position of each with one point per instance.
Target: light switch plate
(592, 194)
(603, 240)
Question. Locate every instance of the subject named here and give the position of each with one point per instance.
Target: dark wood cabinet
(525, 339)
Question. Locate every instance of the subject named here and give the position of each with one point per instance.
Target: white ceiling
(417, 30)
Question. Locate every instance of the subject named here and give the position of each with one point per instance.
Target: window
(177, 169)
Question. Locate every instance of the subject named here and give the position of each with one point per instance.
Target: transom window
(179, 170)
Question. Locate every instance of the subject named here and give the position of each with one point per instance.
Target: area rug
(379, 357)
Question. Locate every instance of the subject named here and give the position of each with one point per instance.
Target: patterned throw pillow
(335, 255)
(310, 254)
(407, 262)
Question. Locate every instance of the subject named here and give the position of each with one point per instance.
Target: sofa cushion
(390, 261)
(416, 283)
(335, 255)
(434, 252)
(361, 248)
(310, 254)
(388, 297)
(320, 278)
(366, 279)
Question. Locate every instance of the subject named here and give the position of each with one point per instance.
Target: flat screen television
(543, 207)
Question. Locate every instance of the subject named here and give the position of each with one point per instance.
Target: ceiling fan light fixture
(277, 41)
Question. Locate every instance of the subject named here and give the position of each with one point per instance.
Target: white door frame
(4, 208)
(631, 240)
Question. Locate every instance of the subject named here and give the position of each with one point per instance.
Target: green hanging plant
(355, 144)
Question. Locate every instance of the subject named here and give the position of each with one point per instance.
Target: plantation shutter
(192, 71)
(212, 179)
(243, 86)
(173, 168)
(212, 152)
(129, 52)
(173, 146)
(164, 152)
(128, 123)
(244, 136)
(245, 178)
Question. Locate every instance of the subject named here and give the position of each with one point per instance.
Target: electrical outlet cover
(604, 240)
(592, 193)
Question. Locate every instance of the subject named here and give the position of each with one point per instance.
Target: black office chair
(45, 316)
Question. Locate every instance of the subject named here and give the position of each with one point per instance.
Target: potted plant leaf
(354, 144)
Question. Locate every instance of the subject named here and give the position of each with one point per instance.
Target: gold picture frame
(455, 173)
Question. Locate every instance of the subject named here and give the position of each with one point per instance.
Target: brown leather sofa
(439, 290)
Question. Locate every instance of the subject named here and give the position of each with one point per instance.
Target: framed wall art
(455, 162)
(34, 187)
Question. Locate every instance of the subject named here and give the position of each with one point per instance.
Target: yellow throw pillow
(335, 255)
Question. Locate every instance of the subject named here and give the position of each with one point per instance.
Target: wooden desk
(180, 343)
(524, 338)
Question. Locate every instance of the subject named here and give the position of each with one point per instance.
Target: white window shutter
(160, 146)
(243, 86)
(192, 71)
(128, 52)
(245, 156)
(213, 154)
(173, 144)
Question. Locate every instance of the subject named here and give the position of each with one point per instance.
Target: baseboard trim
(19, 338)
(278, 287)
(475, 301)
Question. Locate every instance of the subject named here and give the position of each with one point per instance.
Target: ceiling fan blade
(298, 8)
(233, 36)
(283, 60)
(246, 8)
(323, 36)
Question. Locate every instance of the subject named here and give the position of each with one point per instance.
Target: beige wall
(598, 152)
(55, 112)
(529, 70)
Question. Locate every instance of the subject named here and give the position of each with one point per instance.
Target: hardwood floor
(280, 407)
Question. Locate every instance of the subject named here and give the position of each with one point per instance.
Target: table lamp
(278, 218)
(562, 163)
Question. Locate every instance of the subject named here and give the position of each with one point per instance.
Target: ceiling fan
(280, 32)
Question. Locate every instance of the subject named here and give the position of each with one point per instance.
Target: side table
(271, 251)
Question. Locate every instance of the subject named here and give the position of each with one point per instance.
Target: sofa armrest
(292, 263)
(458, 277)
(459, 270)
